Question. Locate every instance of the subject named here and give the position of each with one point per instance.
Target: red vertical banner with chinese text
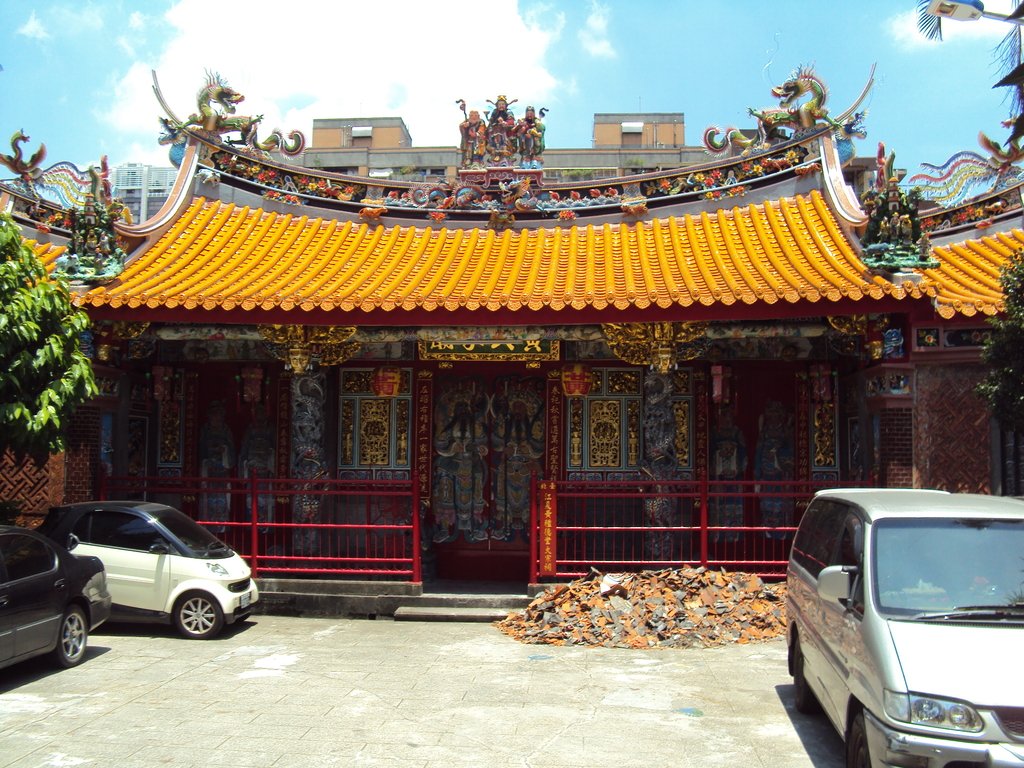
(424, 444)
(548, 529)
(554, 430)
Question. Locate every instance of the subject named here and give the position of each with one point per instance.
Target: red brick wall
(951, 429)
(896, 448)
(35, 487)
(81, 460)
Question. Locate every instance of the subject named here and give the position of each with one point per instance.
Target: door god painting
(488, 444)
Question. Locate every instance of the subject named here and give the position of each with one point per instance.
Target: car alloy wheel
(74, 636)
(198, 616)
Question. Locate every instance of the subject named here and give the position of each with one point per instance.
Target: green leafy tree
(44, 375)
(1003, 386)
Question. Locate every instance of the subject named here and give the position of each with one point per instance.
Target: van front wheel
(803, 696)
(857, 755)
(198, 616)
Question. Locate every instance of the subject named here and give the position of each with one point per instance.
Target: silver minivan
(906, 625)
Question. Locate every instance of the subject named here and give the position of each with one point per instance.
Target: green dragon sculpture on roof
(216, 103)
(791, 117)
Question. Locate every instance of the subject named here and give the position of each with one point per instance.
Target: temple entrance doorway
(488, 442)
(753, 441)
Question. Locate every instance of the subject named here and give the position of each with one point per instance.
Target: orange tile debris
(670, 608)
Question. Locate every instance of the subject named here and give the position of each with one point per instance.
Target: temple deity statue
(501, 124)
(529, 134)
(473, 144)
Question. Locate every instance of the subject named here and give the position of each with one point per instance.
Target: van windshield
(924, 566)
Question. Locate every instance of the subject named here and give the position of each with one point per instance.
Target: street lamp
(930, 14)
(971, 10)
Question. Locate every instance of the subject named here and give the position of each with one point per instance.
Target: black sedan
(50, 600)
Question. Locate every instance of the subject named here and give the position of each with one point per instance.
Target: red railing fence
(633, 525)
(297, 527)
(370, 529)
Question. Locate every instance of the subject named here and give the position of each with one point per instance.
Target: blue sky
(76, 75)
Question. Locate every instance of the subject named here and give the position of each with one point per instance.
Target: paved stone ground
(305, 693)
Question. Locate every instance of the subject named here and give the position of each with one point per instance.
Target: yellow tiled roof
(219, 256)
(967, 279)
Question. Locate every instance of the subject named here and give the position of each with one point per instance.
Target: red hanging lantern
(387, 381)
(576, 380)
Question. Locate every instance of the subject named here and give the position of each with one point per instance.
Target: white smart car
(161, 565)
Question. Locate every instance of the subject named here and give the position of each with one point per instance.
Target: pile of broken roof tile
(679, 607)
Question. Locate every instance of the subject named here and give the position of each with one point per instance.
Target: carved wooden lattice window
(605, 434)
(374, 433)
(605, 426)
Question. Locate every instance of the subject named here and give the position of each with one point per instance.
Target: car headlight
(217, 569)
(929, 710)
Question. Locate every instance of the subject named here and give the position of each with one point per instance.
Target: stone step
(452, 613)
(298, 597)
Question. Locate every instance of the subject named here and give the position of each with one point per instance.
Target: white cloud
(64, 21)
(33, 28)
(571, 87)
(77, 19)
(594, 34)
(351, 72)
(136, 21)
(126, 46)
(545, 19)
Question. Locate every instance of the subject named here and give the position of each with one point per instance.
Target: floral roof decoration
(713, 183)
(978, 212)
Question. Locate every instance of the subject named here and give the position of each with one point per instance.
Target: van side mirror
(73, 541)
(834, 583)
(159, 547)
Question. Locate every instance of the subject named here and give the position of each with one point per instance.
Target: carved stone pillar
(308, 454)
(660, 461)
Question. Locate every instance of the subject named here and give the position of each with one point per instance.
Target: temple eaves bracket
(659, 345)
(299, 346)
